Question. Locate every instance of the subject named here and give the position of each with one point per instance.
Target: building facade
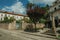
(10, 14)
(55, 9)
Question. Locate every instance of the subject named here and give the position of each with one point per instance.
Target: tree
(29, 5)
(11, 19)
(6, 19)
(35, 14)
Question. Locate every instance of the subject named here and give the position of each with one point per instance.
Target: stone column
(53, 25)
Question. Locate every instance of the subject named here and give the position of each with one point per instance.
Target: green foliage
(11, 19)
(59, 37)
(42, 20)
(35, 13)
(6, 20)
(18, 21)
(28, 20)
(29, 5)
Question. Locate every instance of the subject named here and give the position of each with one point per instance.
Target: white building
(55, 8)
(10, 14)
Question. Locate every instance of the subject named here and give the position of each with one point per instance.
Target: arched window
(55, 9)
(55, 2)
(59, 5)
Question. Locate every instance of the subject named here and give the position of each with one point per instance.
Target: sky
(19, 6)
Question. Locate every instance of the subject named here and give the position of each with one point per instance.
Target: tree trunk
(53, 25)
(35, 27)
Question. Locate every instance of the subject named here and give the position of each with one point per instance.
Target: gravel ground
(5, 36)
(17, 35)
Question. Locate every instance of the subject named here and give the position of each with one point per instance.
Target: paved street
(17, 35)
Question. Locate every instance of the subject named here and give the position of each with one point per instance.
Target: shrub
(18, 21)
(6, 20)
(42, 20)
(29, 27)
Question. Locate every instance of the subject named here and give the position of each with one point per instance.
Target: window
(59, 5)
(55, 8)
(8, 15)
(55, 2)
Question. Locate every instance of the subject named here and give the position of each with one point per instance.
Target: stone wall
(38, 25)
(9, 26)
(4, 25)
(12, 26)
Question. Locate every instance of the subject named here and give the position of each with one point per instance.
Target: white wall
(10, 15)
(53, 8)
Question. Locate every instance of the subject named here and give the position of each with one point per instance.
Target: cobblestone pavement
(16, 35)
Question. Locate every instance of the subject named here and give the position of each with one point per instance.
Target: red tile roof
(12, 13)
